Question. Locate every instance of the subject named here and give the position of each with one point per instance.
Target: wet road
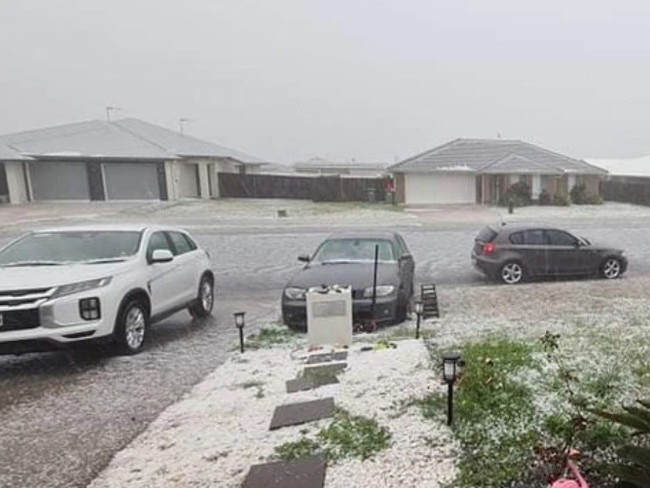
(62, 417)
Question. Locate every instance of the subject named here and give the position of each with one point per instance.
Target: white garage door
(131, 181)
(59, 181)
(440, 188)
(188, 180)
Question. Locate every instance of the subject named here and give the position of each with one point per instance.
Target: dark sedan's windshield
(64, 247)
(354, 250)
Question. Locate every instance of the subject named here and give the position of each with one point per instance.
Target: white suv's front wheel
(204, 303)
(131, 327)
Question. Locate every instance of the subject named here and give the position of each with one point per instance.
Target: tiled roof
(493, 156)
(123, 139)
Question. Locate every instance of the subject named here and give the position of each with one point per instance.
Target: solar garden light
(239, 322)
(419, 309)
(452, 365)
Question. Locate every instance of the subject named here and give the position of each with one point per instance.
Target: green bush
(634, 470)
(580, 196)
(561, 200)
(518, 194)
(544, 198)
(594, 200)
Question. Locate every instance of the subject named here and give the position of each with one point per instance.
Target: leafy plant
(561, 200)
(518, 194)
(269, 336)
(634, 470)
(544, 198)
(580, 196)
(299, 449)
(348, 436)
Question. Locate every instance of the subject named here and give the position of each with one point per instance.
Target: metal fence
(316, 188)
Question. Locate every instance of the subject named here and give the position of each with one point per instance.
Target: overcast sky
(288, 80)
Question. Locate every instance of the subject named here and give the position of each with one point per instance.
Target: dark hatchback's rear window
(486, 235)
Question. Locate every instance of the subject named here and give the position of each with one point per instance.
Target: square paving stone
(310, 383)
(302, 473)
(327, 357)
(325, 369)
(301, 413)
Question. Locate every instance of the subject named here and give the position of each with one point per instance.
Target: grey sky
(365, 79)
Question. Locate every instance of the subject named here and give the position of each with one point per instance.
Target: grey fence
(316, 188)
(626, 189)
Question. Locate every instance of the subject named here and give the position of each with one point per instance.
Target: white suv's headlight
(81, 286)
(381, 291)
(294, 293)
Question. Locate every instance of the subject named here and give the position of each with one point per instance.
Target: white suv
(63, 286)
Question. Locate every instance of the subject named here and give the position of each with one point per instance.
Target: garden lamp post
(239, 323)
(419, 309)
(451, 367)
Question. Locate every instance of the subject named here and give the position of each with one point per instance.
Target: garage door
(131, 181)
(59, 181)
(440, 188)
(188, 180)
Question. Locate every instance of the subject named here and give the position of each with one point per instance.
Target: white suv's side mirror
(162, 256)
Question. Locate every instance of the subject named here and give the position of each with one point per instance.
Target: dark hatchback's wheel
(131, 328)
(205, 301)
(512, 273)
(611, 268)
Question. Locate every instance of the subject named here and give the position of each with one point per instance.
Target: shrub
(578, 194)
(634, 471)
(594, 200)
(544, 198)
(517, 193)
(561, 200)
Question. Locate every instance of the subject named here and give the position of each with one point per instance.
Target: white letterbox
(329, 316)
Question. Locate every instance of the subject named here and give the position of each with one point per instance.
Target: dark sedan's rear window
(486, 235)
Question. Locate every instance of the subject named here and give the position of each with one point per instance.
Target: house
(320, 166)
(127, 159)
(467, 171)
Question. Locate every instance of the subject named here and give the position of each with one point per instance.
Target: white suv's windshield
(350, 250)
(55, 248)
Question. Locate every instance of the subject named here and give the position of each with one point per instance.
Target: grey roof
(493, 156)
(123, 139)
(8, 154)
(182, 145)
(93, 139)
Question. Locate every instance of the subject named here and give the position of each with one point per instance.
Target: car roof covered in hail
(519, 226)
(105, 228)
(387, 235)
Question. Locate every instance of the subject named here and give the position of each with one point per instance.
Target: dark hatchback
(348, 260)
(512, 253)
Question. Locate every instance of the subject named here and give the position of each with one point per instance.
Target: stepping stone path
(303, 473)
(301, 413)
(304, 383)
(321, 369)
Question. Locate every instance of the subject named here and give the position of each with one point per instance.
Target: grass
(347, 436)
(520, 404)
(268, 337)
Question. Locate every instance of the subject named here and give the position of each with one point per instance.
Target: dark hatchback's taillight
(489, 248)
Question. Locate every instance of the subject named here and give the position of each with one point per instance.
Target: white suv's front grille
(24, 299)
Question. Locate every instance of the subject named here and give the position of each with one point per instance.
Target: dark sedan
(514, 252)
(348, 260)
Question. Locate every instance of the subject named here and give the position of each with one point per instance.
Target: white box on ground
(329, 316)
